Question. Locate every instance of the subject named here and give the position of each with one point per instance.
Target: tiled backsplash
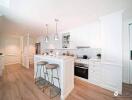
(90, 52)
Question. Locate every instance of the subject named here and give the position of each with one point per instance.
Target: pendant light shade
(46, 37)
(56, 37)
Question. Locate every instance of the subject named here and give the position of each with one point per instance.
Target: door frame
(130, 67)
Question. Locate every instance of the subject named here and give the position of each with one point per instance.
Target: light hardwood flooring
(17, 83)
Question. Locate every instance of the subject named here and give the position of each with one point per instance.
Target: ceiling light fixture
(56, 37)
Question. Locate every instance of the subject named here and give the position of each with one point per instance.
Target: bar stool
(52, 67)
(40, 64)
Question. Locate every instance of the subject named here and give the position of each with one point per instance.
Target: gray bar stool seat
(51, 66)
(42, 63)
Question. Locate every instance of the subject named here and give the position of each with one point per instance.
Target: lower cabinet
(112, 77)
(108, 76)
(95, 73)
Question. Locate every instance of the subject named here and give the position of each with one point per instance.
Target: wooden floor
(17, 83)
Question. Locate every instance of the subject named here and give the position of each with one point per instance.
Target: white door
(130, 75)
(12, 50)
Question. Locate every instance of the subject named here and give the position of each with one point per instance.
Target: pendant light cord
(46, 29)
(56, 28)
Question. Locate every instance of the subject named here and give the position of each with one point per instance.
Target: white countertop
(86, 61)
(54, 57)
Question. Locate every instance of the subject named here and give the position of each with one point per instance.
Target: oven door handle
(81, 67)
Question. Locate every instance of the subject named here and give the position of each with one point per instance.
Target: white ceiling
(71, 13)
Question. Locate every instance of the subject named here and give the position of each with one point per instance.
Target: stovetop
(83, 61)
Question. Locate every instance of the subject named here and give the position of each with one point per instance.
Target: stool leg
(44, 76)
(44, 73)
(36, 74)
(52, 80)
(40, 70)
(47, 74)
(58, 77)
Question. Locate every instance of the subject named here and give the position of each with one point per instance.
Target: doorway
(130, 48)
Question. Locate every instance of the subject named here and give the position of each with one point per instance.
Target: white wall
(5, 3)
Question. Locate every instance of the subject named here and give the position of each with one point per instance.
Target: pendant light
(56, 37)
(46, 37)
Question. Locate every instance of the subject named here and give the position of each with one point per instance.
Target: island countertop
(66, 71)
(54, 57)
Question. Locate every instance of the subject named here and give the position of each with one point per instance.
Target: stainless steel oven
(81, 70)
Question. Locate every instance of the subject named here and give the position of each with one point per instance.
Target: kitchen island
(66, 71)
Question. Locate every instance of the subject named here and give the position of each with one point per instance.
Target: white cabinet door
(111, 38)
(95, 73)
(111, 77)
(106, 75)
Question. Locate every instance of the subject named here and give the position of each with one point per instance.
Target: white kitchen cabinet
(110, 78)
(111, 51)
(111, 38)
(105, 75)
(95, 73)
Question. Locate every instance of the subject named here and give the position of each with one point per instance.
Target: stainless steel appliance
(81, 70)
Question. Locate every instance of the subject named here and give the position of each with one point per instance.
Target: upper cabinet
(111, 38)
(87, 35)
